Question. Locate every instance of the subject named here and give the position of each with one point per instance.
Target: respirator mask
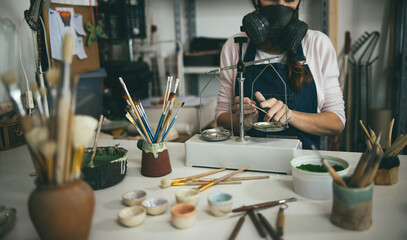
(277, 23)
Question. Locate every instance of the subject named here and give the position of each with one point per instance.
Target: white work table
(304, 219)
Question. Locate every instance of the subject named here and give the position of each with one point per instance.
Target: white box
(260, 154)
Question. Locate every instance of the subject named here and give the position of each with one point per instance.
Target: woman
(306, 63)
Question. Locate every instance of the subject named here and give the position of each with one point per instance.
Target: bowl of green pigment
(310, 178)
(108, 169)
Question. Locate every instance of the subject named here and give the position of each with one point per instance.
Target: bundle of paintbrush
(55, 137)
(137, 115)
(369, 162)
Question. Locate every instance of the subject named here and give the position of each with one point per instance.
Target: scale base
(260, 154)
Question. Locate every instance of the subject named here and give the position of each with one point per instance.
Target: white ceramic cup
(132, 216)
(187, 195)
(183, 215)
(134, 198)
(220, 204)
(155, 206)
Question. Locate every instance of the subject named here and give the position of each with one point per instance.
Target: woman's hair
(297, 73)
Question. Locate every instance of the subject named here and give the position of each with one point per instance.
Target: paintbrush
(390, 134)
(160, 123)
(10, 80)
(173, 121)
(53, 77)
(135, 110)
(203, 183)
(230, 179)
(145, 122)
(95, 143)
(83, 131)
(43, 92)
(168, 182)
(218, 180)
(48, 150)
(68, 163)
(330, 169)
(263, 205)
(35, 138)
(64, 103)
(37, 99)
(131, 119)
(167, 92)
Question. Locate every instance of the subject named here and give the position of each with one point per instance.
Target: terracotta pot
(155, 160)
(62, 212)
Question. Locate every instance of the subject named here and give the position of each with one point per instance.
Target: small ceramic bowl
(134, 198)
(315, 185)
(155, 206)
(220, 204)
(183, 215)
(132, 216)
(187, 195)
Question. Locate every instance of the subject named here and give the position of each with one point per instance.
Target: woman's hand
(247, 108)
(277, 109)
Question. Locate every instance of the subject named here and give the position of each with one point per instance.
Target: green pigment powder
(318, 168)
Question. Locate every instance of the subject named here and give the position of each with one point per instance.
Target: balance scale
(260, 154)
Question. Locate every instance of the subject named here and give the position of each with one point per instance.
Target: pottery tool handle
(280, 222)
(263, 205)
(237, 228)
(268, 227)
(257, 223)
(333, 173)
(218, 180)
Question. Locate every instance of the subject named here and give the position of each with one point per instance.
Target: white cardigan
(320, 57)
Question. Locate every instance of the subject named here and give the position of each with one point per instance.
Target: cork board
(91, 63)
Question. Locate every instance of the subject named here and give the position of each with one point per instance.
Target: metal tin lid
(216, 134)
(269, 126)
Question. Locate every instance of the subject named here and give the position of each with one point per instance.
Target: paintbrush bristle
(48, 148)
(34, 86)
(9, 78)
(84, 130)
(36, 137)
(53, 75)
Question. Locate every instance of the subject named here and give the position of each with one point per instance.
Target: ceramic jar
(62, 212)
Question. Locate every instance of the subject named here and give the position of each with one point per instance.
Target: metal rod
(241, 107)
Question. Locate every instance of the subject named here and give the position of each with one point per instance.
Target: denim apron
(270, 85)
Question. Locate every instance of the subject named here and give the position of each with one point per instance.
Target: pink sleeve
(229, 56)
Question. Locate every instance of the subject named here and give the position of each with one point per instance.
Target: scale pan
(269, 126)
(215, 134)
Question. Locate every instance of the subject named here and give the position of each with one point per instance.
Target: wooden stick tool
(168, 182)
(218, 180)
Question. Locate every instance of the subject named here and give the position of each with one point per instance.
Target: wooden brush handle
(333, 173)
(218, 180)
(95, 143)
(203, 174)
(231, 179)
